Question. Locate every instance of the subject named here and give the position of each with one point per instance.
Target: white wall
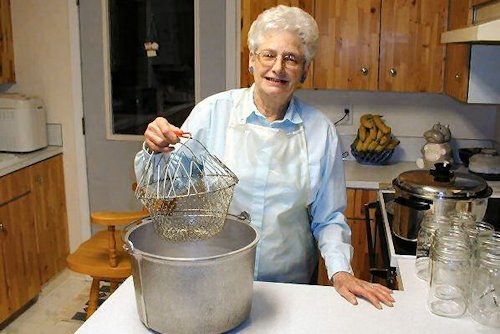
(497, 136)
(46, 53)
(408, 114)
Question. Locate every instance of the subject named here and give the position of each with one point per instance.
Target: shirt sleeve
(328, 224)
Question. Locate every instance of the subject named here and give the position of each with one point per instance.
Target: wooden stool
(102, 256)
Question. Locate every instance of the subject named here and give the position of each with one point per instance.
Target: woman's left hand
(349, 287)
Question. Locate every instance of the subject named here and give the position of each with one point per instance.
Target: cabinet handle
(393, 72)
(39, 179)
(457, 76)
(2, 227)
(364, 71)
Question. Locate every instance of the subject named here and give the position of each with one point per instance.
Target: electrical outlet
(347, 111)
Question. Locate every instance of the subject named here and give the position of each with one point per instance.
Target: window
(151, 62)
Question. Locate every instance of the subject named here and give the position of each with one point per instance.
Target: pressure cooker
(438, 192)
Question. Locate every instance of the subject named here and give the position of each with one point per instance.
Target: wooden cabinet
(458, 55)
(19, 274)
(33, 232)
(354, 213)
(47, 184)
(389, 45)
(347, 56)
(7, 73)
(460, 61)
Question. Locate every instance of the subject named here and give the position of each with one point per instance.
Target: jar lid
(442, 182)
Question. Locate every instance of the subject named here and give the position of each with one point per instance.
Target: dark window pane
(160, 82)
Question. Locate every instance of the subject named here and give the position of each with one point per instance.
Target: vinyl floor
(54, 311)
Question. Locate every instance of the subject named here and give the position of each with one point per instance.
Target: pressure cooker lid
(442, 182)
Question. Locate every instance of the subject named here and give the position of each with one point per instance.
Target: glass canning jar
(484, 301)
(424, 239)
(449, 272)
(478, 232)
(465, 219)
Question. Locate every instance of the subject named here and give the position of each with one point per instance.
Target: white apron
(273, 188)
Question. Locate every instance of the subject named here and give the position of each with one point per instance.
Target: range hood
(484, 28)
(480, 33)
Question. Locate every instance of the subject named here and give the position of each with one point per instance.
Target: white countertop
(380, 177)
(374, 176)
(11, 162)
(298, 308)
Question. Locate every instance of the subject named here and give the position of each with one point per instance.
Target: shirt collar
(292, 114)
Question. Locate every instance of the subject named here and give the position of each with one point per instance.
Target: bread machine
(23, 125)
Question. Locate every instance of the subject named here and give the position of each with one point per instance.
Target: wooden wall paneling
(47, 182)
(410, 43)
(7, 72)
(249, 12)
(349, 41)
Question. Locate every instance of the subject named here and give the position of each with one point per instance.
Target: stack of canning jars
(460, 259)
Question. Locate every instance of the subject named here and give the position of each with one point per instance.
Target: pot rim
(461, 186)
(129, 246)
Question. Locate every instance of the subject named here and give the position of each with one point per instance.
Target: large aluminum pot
(202, 286)
(436, 192)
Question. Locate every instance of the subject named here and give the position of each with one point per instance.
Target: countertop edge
(24, 160)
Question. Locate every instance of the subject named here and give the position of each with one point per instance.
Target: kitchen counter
(11, 162)
(300, 308)
(380, 177)
(374, 176)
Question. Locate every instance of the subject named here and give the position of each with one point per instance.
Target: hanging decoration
(151, 45)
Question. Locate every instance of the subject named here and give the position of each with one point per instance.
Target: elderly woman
(286, 155)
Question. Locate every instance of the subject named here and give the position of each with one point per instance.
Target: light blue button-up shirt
(208, 123)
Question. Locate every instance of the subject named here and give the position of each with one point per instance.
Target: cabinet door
(355, 215)
(47, 184)
(19, 280)
(456, 79)
(411, 53)
(7, 74)
(347, 56)
(250, 9)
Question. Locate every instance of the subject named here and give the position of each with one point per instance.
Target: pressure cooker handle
(442, 172)
(414, 204)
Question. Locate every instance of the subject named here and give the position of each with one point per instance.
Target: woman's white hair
(284, 18)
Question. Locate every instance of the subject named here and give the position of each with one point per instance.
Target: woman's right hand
(160, 135)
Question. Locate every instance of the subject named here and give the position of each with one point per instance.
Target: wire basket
(371, 157)
(187, 192)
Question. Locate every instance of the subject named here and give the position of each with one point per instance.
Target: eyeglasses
(289, 60)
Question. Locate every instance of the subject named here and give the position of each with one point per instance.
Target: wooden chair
(102, 256)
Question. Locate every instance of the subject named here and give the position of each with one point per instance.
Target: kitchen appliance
(486, 164)
(202, 286)
(22, 123)
(436, 192)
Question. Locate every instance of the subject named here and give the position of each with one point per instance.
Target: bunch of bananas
(374, 135)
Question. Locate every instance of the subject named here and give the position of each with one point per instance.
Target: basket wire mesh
(187, 192)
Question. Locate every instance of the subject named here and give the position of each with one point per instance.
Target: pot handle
(127, 244)
(420, 206)
(242, 216)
